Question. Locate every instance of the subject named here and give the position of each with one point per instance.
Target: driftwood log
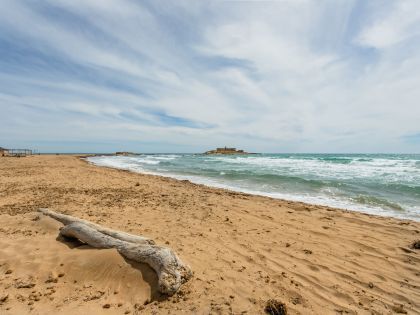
(171, 271)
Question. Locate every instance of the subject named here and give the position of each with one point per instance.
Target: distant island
(124, 153)
(226, 150)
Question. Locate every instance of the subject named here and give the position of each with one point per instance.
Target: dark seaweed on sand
(274, 307)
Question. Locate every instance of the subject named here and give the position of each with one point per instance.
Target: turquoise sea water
(384, 184)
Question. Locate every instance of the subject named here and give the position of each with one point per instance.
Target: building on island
(124, 153)
(226, 150)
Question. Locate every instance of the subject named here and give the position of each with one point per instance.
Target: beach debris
(416, 244)
(407, 250)
(4, 298)
(52, 278)
(35, 296)
(25, 283)
(399, 309)
(94, 296)
(171, 271)
(274, 307)
(8, 271)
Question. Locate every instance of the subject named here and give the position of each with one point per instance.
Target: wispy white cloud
(272, 76)
(392, 24)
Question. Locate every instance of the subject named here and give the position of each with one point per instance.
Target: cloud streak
(300, 76)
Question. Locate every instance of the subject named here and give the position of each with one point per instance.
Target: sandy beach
(243, 249)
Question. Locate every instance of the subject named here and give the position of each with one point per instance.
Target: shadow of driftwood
(71, 242)
(148, 274)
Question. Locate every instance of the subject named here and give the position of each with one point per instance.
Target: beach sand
(243, 249)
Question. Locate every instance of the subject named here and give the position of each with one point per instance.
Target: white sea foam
(393, 170)
(294, 174)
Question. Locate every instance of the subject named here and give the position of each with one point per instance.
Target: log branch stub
(67, 219)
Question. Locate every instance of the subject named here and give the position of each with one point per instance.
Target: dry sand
(243, 249)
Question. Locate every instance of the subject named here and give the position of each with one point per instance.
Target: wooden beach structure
(4, 151)
(15, 152)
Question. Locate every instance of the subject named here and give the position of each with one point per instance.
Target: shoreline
(244, 249)
(352, 208)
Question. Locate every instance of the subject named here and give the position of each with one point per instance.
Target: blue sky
(187, 76)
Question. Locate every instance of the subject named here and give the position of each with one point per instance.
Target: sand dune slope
(44, 275)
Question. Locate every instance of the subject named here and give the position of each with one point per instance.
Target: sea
(381, 184)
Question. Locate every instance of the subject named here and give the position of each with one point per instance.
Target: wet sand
(243, 249)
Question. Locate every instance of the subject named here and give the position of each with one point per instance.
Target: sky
(188, 76)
